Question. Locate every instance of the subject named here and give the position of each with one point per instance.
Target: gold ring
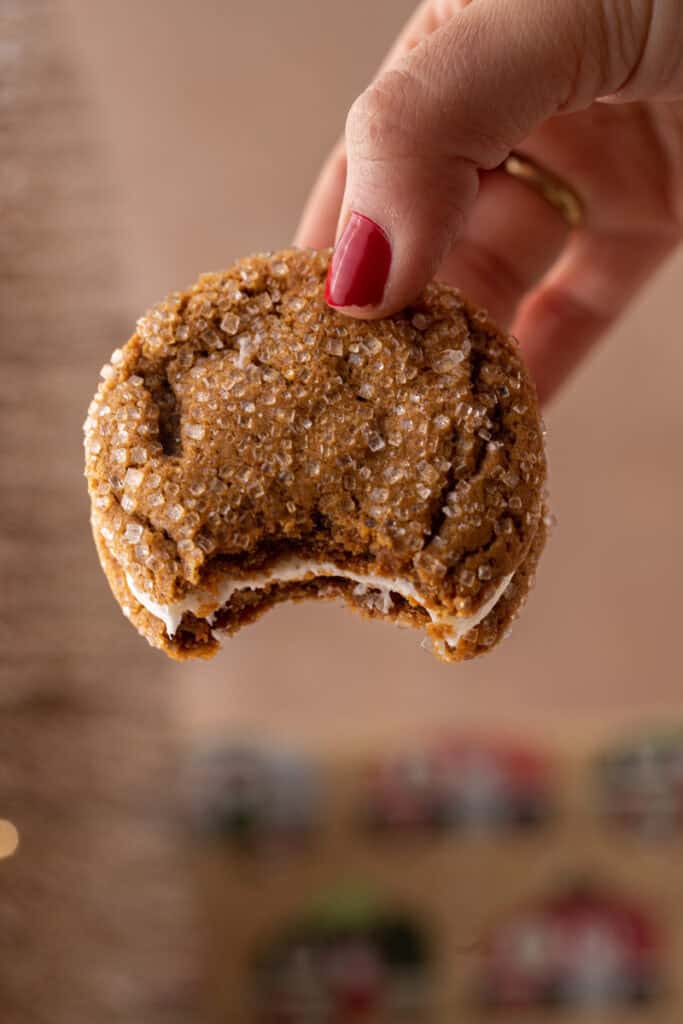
(554, 190)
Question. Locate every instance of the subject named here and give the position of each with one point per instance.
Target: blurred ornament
(252, 794)
(349, 959)
(465, 783)
(640, 784)
(584, 947)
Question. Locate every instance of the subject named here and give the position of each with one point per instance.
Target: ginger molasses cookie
(250, 445)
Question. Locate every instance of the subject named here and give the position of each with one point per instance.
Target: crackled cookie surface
(250, 445)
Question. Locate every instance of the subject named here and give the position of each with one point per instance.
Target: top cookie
(250, 444)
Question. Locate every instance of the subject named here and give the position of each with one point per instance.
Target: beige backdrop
(216, 116)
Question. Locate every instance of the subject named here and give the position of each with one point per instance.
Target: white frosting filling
(204, 603)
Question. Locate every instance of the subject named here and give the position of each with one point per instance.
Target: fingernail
(360, 265)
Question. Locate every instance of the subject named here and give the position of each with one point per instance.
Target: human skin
(590, 89)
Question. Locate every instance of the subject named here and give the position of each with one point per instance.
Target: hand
(592, 90)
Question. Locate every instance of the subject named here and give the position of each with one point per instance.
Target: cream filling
(205, 604)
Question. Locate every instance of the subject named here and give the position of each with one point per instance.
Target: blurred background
(323, 824)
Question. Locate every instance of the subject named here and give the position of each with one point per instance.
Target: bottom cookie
(197, 637)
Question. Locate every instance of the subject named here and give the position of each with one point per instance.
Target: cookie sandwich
(250, 445)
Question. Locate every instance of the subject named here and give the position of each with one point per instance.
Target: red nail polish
(360, 264)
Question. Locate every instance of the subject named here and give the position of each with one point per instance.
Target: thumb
(456, 103)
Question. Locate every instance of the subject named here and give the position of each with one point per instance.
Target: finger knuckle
(564, 305)
(381, 121)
